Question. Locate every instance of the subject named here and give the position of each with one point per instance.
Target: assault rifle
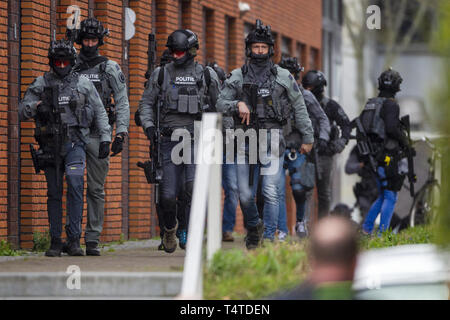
(49, 153)
(250, 95)
(151, 62)
(153, 167)
(410, 153)
(364, 145)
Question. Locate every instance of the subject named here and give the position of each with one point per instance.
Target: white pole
(191, 287)
(214, 223)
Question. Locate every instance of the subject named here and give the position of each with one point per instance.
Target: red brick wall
(301, 22)
(3, 119)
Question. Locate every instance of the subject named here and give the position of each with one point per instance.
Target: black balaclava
(259, 66)
(186, 60)
(318, 92)
(62, 72)
(87, 53)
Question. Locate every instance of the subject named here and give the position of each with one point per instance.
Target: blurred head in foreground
(333, 250)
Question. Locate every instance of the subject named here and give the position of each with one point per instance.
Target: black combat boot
(55, 248)
(73, 247)
(254, 236)
(92, 249)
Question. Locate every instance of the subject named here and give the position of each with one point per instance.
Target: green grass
(418, 234)
(41, 241)
(235, 274)
(6, 250)
(239, 274)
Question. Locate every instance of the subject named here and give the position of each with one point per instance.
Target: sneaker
(55, 248)
(282, 236)
(300, 229)
(227, 236)
(92, 249)
(182, 238)
(170, 239)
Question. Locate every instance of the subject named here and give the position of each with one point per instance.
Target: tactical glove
(103, 151)
(150, 132)
(322, 145)
(338, 145)
(117, 145)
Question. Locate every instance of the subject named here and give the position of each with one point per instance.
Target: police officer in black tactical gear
(65, 108)
(302, 167)
(110, 82)
(182, 90)
(380, 123)
(315, 81)
(181, 234)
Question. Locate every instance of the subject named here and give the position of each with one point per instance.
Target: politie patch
(296, 89)
(121, 77)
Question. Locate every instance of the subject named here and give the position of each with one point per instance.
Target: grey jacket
(231, 92)
(29, 105)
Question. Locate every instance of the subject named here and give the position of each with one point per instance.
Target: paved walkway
(131, 256)
(132, 270)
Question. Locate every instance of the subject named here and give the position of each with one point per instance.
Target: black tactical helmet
(62, 50)
(291, 64)
(260, 35)
(390, 80)
(91, 28)
(182, 40)
(314, 79)
(218, 70)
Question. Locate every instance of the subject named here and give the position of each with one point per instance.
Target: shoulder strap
(207, 76)
(161, 75)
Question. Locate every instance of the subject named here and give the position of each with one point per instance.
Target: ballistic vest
(100, 79)
(184, 91)
(371, 119)
(272, 105)
(70, 110)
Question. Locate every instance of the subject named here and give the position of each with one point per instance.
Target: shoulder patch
(296, 89)
(121, 77)
(291, 77)
(117, 67)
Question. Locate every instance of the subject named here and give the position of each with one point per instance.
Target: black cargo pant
(324, 185)
(174, 179)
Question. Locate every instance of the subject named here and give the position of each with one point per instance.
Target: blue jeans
(230, 187)
(73, 167)
(385, 205)
(270, 193)
(282, 216)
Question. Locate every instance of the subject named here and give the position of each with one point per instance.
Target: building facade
(26, 27)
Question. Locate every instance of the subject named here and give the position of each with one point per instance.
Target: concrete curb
(93, 285)
(141, 244)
